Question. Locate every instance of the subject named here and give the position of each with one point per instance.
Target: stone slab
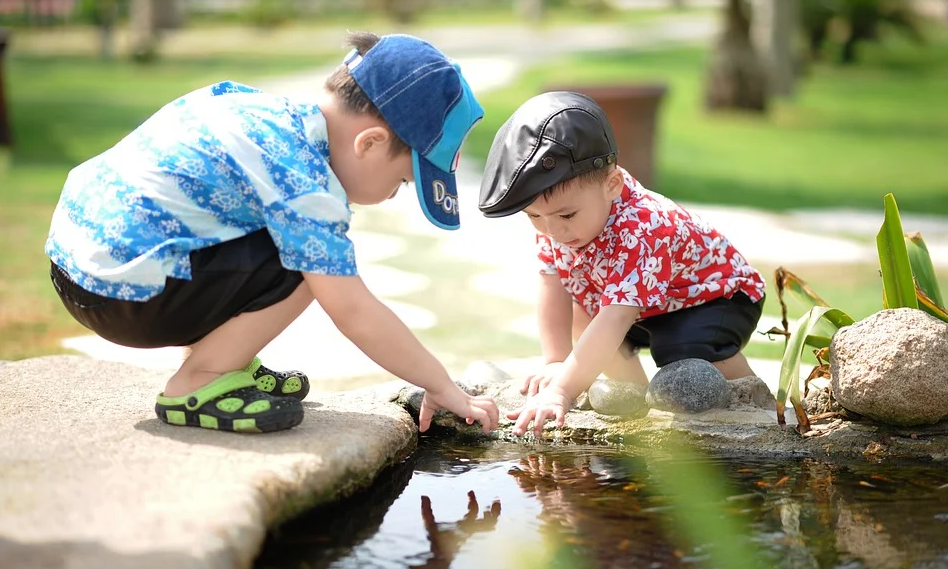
(89, 477)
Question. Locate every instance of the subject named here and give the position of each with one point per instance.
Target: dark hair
(352, 97)
(597, 176)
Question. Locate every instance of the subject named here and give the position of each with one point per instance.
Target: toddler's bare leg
(625, 364)
(231, 346)
(735, 367)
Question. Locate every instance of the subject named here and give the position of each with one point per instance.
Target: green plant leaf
(929, 306)
(817, 341)
(898, 287)
(922, 268)
(790, 366)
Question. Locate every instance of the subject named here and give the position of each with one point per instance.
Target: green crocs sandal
(231, 402)
(293, 383)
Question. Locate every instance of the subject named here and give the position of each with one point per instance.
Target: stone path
(99, 481)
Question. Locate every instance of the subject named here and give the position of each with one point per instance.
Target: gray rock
(893, 367)
(687, 386)
(619, 398)
(91, 478)
(750, 391)
(819, 398)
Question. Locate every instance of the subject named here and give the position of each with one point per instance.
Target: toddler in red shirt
(622, 267)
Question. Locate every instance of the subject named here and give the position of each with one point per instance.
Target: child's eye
(532, 215)
(568, 216)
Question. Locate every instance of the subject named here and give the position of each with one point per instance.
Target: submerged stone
(687, 386)
(619, 398)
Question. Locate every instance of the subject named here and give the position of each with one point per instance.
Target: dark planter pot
(633, 113)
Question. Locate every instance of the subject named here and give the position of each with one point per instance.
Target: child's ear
(371, 139)
(614, 184)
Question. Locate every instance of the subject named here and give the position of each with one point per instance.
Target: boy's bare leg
(735, 367)
(231, 346)
(624, 365)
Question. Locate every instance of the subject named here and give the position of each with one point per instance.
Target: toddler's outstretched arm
(382, 336)
(592, 353)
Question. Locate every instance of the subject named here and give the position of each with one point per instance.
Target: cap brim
(437, 193)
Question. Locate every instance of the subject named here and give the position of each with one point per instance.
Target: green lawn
(849, 137)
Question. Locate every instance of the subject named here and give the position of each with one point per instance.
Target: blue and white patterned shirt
(214, 165)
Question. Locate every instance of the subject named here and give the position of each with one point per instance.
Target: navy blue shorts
(243, 275)
(712, 331)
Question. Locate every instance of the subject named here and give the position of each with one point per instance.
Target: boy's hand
(537, 381)
(481, 408)
(550, 404)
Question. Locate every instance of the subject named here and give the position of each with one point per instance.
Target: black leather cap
(551, 138)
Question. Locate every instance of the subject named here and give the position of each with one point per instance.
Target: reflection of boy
(622, 267)
(220, 219)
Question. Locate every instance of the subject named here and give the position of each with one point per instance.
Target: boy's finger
(490, 407)
(534, 386)
(526, 383)
(512, 415)
(424, 416)
(560, 416)
(540, 421)
(523, 421)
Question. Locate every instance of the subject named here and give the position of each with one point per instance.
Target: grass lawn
(849, 137)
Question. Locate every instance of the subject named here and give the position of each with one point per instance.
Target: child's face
(577, 214)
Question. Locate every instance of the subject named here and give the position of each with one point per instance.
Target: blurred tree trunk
(774, 28)
(678, 4)
(736, 80)
(530, 10)
(107, 16)
(144, 32)
(6, 135)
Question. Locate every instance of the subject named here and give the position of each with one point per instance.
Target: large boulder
(893, 367)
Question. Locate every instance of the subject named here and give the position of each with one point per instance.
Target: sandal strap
(253, 366)
(221, 386)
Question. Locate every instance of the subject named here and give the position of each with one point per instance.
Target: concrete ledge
(91, 478)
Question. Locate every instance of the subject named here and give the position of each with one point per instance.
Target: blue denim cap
(426, 101)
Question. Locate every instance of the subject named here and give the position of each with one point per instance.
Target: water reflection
(446, 538)
(574, 506)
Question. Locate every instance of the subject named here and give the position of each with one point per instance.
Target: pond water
(509, 505)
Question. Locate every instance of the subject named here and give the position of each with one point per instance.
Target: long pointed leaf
(818, 342)
(790, 366)
(922, 267)
(897, 284)
(929, 306)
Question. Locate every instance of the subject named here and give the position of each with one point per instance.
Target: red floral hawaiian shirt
(653, 254)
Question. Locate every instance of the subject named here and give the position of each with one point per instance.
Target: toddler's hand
(481, 408)
(550, 404)
(536, 381)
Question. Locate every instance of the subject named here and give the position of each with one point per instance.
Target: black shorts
(712, 331)
(243, 275)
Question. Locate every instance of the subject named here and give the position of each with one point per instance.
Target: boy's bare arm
(555, 319)
(382, 336)
(595, 348)
(555, 322)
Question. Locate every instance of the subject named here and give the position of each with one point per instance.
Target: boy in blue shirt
(221, 218)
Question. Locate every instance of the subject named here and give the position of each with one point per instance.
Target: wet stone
(688, 386)
(619, 398)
